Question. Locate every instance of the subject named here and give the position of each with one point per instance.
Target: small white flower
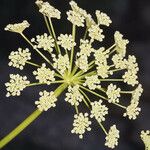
(112, 137)
(103, 70)
(46, 9)
(66, 41)
(81, 124)
(118, 61)
(98, 111)
(17, 27)
(82, 63)
(44, 41)
(61, 63)
(75, 18)
(136, 94)
(44, 75)
(120, 43)
(130, 78)
(19, 58)
(96, 33)
(16, 84)
(46, 100)
(130, 75)
(113, 93)
(132, 64)
(83, 13)
(77, 9)
(73, 96)
(92, 82)
(132, 111)
(145, 136)
(103, 18)
(85, 48)
(89, 21)
(101, 56)
(39, 3)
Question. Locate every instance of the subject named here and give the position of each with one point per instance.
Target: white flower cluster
(77, 9)
(61, 63)
(92, 82)
(75, 18)
(96, 33)
(87, 73)
(112, 137)
(44, 41)
(66, 41)
(98, 111)
(16, 84)
(133, 110)
(44, 75)
(85, 48)
(120, 43)
(130, 75)
(145, 136)
(46, 100)
(73, 96)
(136, 94)
(17, 27)
(101, 56)
(82, 63)
(81, 124)
(118, 61)
(46, 9)
(83, 13)
(113, 93)
(19, 58)
(103, 70)
(103, 18)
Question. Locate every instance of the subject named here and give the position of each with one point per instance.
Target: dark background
(51, 131)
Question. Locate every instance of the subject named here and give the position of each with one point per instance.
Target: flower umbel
(89, 74)
(16, 84)
(112, 137)
(46, 100)
(19, 58)
(44, 75)
(145, 136)
(81, 124)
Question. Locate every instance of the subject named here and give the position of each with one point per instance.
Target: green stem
(111, 80)
(86, 96)
(34, 84)
(85, 34)
(33, 64)
(126, 92)
(54, 36)
(54, 82)
(115, 70)
(87, 74)
(28, 120)
(76, 109)
(19, 128)
(103, 128)
(72, 51)
(47, 25)
(111, 47)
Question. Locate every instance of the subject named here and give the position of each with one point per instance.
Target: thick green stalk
(28, 120)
